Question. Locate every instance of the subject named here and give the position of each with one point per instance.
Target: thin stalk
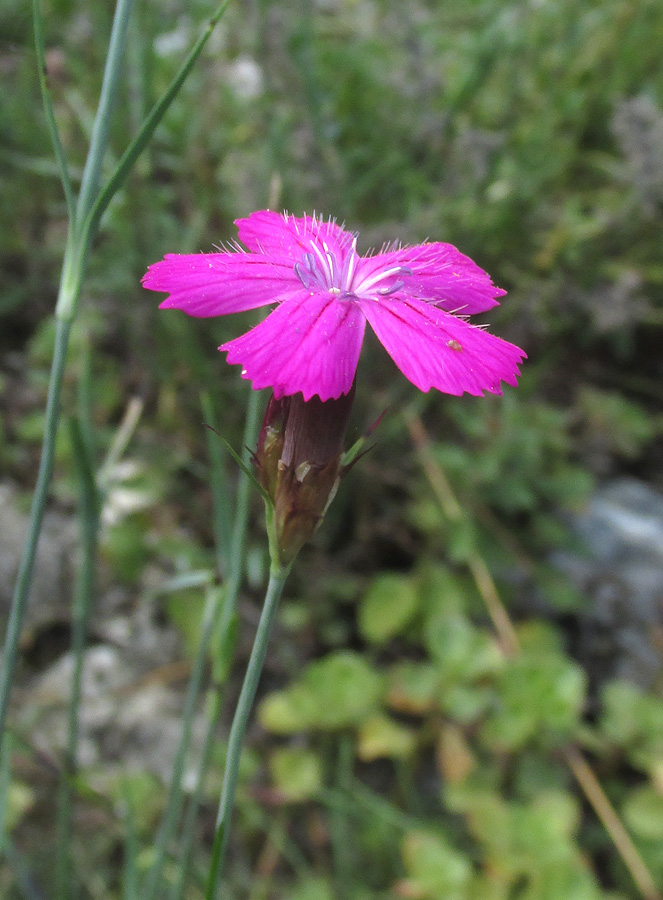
(99, 139)
(214, 704)
(218, 482)
(130, 851)
(277, 579)
(175, 796)
(591, 787)
(24, 580)
(241, 518)
(141, 140)
(222, 637)
(453, 510)
(50, 115)
(339, 824)
(91, 206)
(5, 779)
(83, 599)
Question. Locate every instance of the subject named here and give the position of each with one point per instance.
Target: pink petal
(441, 274)
(434, 349)
(213, 284)
(309, 343)
(287, 237)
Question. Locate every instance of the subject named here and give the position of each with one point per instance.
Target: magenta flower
(416, 300)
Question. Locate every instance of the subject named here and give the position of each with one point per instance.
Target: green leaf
(538, 695)
(382, 737)
(185, 612)
(461, 652)
(387, 607)
(413, 687)
(436, 870)
(296, 773)
(643, 811)
(336, 692)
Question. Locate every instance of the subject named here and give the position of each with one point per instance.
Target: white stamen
(370, 282)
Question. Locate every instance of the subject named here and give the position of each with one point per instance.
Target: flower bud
(298, 461)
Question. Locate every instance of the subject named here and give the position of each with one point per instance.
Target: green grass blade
(90, 507)
(139, 143)
(218, 481)
(26, 570)
(50, 115)
(102, 119)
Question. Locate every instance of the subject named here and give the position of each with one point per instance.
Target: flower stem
(277, 579)
(36, 516)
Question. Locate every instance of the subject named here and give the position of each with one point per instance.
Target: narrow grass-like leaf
(99, 140)
(218, 481)
(139, 143)
(90, 509)
(152, 884)
(50, 114)
(26, 569)
(130, 849)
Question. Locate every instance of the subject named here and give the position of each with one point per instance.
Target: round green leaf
(387, 607)
(296, 773)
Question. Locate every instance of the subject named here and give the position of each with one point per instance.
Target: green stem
(48, 110)
(24, 580)
(214, 704)
(277, 579)
(223, 637)
(136, 147)
(5, 778)
(90, 510)
(99, 139)
(241, 513)
(174, 805)
(218, 482)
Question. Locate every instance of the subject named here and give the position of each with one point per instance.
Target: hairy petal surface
(309, 344)
(214, 284)
(288, 238)
(435, 349)
(441, 274)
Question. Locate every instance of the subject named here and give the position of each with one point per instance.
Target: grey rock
(621, 575)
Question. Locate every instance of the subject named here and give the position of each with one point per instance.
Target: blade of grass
(107, 98)
(90, 509)
(5, 778)
(130, 850)
(218, 480)
(222, 641)
(50, 114)
(139, 143)
(70, 285)
(152, 884)
(24, 580)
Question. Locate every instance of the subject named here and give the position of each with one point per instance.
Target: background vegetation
(410, 742)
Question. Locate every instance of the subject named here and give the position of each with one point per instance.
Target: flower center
(320, 270)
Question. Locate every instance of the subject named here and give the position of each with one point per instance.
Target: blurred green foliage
(403, 754)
